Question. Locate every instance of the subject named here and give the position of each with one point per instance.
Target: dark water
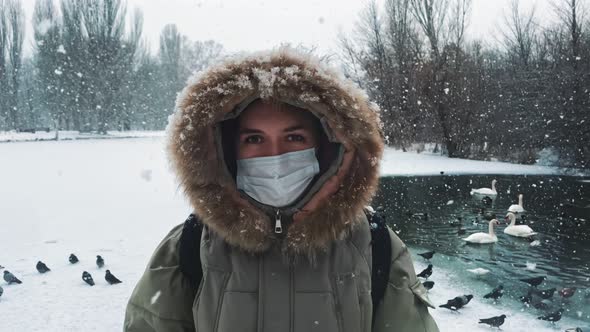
(420, 209)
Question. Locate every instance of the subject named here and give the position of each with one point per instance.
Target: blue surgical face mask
(277, 180)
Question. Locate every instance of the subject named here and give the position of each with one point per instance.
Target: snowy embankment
(117, 199)
(398, 163)
(13, 136)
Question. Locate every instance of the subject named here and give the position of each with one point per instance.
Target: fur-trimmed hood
(288, 76)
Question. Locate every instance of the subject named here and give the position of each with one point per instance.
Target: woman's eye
(295, 138)
(254, 139)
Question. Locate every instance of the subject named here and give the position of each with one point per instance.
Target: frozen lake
(117, 199)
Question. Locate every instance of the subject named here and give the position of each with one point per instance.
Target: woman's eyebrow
(294, 128)
(243, 131)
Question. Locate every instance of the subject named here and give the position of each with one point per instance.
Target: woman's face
(269, 129)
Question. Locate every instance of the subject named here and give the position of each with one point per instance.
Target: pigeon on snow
(99, 261)
(495, 321)
(111, 279)
(41, 267)
(567, 292)
(547, 293)
(536, 281)
(73, 259)
(427, 272)
(428, 284)
(552, 317)
(87, 278)
(10, 278)
(457, 303)
(427, 255)
(496, 293)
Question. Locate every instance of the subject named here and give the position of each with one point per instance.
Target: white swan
(517, 230)
(484, 238)
(517, 208)
(486, 191)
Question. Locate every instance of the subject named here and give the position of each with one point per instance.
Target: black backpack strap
(190, 249)
(381, 257)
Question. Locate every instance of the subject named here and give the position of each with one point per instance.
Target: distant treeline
(91, 69)
(522, 90)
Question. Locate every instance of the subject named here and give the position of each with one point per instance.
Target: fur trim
(282, 74)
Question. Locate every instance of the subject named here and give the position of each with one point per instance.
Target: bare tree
(571, 15)
(402, 41)
(198, 55)
(519, 33)
(432, 18)
(3, 65)
(459, 21)
(573, 80)
(170, 52)
(104, 24)
(16, 32)
(130, 53)
(48, 59)
(351, 64)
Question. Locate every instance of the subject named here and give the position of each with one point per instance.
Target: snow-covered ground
(117, 199)
(13, 136)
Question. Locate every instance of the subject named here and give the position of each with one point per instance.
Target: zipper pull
(278, 226)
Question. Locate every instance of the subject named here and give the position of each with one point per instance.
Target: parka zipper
(278, 224)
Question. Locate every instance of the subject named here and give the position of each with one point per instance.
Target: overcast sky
(261, 24)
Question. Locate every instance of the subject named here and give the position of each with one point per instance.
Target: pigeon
(552, 317)
(486, 214)
(41, 267)
(87, 278)
(10, 278)
(457, 303)
(542, 305)
(458, 222)
(111, 279)
(73, 259)
(99, 261)
(527, 299)
(428, 284)
(495, 321)
(427, 255)
(567, 292)
(496, 293)
(426, 273)
(547, 293)
(536, 281)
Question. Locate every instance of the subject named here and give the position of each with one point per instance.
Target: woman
(279, 156)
